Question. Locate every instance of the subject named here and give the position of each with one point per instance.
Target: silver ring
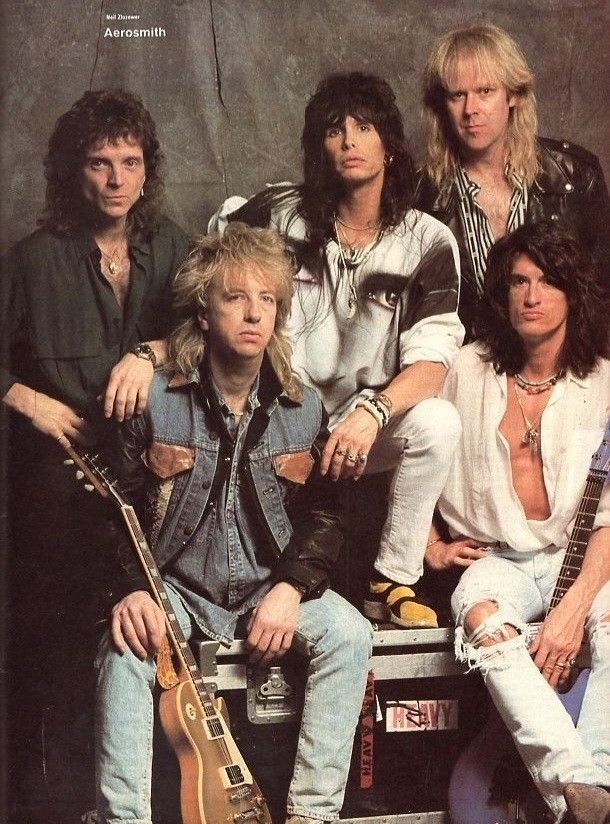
(571, 662)
(351, 458)
(339, 451)
(362, 457)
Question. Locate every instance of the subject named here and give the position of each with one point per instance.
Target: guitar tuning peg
(79, 474)
(68, 462)
(89, 487)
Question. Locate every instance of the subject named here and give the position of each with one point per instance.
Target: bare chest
(521, 429)
(118, 277)
(495, 202)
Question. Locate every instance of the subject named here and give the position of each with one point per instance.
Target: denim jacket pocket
(166, 460)
(294, 466)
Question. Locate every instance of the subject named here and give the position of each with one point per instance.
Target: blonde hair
(215, 258)
(497, 57)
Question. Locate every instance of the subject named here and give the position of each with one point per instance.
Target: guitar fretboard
(181, 645)
(581, 533)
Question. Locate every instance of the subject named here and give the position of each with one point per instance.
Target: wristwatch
(144, 351)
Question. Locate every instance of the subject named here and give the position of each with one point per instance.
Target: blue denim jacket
(178, 452)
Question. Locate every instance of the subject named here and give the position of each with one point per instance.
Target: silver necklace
(374, 228)
(531, 435)
(352, 258)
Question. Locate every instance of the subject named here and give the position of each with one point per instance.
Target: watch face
(143, 350)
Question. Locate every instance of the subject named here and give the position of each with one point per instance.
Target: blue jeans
(552, 748)
(337, 641)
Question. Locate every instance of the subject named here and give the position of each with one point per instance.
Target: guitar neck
(178, 641)
(579, 539)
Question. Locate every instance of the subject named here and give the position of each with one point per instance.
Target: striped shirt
(477, 229)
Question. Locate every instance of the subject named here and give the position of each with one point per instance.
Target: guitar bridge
(250, 815)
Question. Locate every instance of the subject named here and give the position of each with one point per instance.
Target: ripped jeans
(553, 750)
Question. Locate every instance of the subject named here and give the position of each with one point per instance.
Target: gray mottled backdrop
(228, 82)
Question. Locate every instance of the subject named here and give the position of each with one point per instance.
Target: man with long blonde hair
(243, 526)
(486, 171)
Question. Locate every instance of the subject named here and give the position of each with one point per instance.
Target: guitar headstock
(94, 471)
(600, 462)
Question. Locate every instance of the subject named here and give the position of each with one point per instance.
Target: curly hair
(364, 97)
(499, 59)
(568, 267)
(220, 257)
(98, 116)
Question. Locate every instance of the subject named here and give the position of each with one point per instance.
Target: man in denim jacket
(243, 526)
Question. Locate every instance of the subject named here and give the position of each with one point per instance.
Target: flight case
(419, 712)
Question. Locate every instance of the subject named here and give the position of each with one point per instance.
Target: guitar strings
(591, 496)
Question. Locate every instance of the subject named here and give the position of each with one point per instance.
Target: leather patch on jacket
(294, 466)
(166, 460)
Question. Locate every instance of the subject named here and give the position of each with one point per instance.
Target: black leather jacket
(569, 189)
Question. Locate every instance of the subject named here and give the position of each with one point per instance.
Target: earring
(142, 192)
(388, 159)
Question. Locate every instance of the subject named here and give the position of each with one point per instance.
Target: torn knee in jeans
(490, 638)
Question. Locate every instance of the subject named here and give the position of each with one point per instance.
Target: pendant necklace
(112, 261)
(531, 435)
(352, 258)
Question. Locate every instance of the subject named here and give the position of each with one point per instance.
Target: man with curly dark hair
(85, 310)
(374, 318)
(534, 397)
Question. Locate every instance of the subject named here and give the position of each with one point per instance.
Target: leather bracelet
(382, 398)
(372, 410)
(381, 408)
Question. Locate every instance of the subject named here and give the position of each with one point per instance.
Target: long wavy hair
(364, 97)
(98, 116)
(499, 59)
(568, 267)
(220, 258)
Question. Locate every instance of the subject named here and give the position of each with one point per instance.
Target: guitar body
(210, 792)
(216, 786)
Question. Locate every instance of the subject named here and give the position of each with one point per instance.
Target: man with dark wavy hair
(374, 319)
(85, 310)
(534, 397)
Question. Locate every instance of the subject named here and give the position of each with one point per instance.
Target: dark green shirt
(64, 327)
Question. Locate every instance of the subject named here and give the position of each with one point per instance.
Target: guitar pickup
(269, 696)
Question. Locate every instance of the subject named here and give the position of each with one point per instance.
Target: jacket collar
(269, 386)
(85, 245)
(552, 178)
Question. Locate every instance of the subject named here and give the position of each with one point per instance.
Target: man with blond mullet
(486, 171)
(244, 528)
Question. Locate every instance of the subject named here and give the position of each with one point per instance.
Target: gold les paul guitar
(216, 786)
